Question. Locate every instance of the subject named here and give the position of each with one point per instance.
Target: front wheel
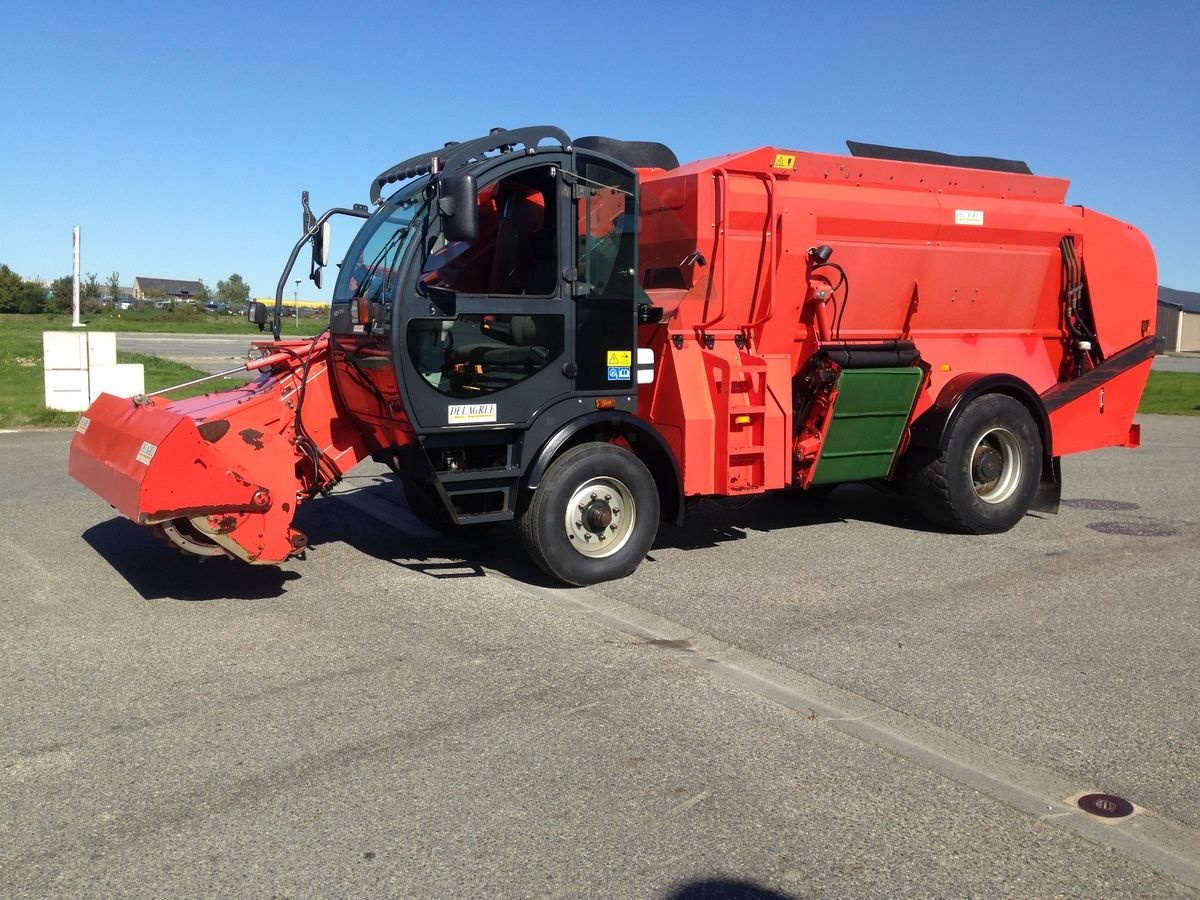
(593, 517)
(986, 478)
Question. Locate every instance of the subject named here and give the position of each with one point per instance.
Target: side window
(476, 355)
(516, 253)
(607, 234)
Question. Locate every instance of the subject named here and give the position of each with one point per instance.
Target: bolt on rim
(996, 465)
(600, 517)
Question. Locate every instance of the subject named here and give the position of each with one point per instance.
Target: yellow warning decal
(620, 357)
(784, 161)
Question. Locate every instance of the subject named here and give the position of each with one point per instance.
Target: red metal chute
(222, 473)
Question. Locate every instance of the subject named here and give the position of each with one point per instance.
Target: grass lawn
(1173, 393)
(185, 320)
(22, 384)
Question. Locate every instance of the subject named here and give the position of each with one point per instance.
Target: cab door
(605, 327)
(538, 308)
(482, 337)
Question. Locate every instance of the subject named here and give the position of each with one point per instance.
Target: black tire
(594, 516)
(986, 478)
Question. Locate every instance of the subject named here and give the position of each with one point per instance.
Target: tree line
(22, 295)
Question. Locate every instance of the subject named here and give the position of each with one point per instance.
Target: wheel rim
(184, 535)
(996, 465)
(600, 517)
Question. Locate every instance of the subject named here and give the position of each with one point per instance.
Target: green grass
(181, 321)
(1172, 393)
(22, 384)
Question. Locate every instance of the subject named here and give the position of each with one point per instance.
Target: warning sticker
(84, 422)
(784, 161)
(968, 217)
(146, 453)
(471, 413)
(620, 358)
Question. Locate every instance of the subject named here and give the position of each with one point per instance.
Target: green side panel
(869, 419)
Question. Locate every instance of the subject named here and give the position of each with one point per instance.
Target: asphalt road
(806, 699)
(1179, 363)
(207, 352)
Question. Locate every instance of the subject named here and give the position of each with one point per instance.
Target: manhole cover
(1134, 529)
(1107, 806)
(1110, 505)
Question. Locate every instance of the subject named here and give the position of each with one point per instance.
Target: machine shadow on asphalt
(159, 572)
(402, 541)
(713, 522)
(471, 553)
(740, 888)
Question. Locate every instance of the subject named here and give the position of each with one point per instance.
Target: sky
(178, 137)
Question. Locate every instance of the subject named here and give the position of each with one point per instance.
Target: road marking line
(1162, 844)
(688, 804)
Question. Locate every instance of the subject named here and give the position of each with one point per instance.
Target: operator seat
(542, 277)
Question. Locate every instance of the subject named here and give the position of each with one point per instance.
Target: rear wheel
(593, 517)
(986, 478)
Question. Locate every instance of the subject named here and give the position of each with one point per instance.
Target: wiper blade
(369, 274)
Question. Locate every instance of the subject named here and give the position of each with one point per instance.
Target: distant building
(1178, 325)
(167, 288)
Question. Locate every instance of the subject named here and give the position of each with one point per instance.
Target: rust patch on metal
(213, 431)
(253, 437)
(193, 512)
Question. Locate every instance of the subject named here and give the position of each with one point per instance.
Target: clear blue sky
(179, 136)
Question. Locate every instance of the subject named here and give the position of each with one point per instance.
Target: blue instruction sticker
(618, 373)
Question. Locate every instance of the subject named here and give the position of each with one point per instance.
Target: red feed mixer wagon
(585, 335)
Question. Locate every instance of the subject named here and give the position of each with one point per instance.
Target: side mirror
(320, 252)
(458, 203)
(321, 244)
(257, 313)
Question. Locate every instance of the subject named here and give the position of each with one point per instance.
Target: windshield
(373, 260)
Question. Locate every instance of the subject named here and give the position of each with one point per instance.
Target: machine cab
(439, 327)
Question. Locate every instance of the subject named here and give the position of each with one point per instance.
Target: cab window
(516, 253)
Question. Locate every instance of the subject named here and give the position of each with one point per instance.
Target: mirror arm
(277, 319)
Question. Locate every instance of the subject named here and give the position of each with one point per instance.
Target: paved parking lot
(800, 698)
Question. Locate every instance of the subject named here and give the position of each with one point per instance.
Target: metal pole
(75, 323)
(215, 375)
